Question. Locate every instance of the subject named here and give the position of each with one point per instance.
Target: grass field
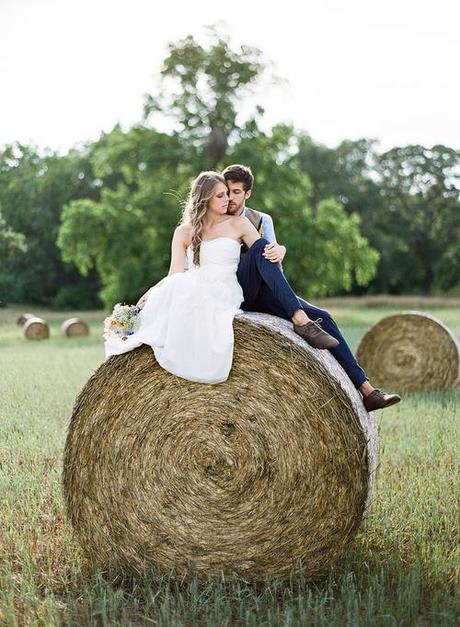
(402, 568)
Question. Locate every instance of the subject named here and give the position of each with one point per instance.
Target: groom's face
(237, 197)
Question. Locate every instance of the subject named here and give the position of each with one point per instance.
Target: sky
(71, 69)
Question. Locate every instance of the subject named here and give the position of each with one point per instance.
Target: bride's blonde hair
(201, 192)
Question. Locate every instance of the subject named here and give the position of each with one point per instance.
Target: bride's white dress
(188, 317)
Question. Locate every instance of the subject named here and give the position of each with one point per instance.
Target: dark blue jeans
(267, 290)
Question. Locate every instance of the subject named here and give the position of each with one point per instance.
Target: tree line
(93, 227)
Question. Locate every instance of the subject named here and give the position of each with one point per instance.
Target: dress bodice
(221, 253)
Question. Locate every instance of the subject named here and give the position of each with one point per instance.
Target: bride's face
(219, 201)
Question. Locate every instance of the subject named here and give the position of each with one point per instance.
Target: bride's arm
(272, 252)
(179, 244)
(249, 233)
(178, 251)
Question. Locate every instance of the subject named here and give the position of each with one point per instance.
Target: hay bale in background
(410, 351)
(265, 473)
(23, 319)
(36, 329)
(74, 327)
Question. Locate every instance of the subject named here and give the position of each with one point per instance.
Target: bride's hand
(142, 300)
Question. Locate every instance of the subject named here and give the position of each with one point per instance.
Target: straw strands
(410, 351)
(267, 473)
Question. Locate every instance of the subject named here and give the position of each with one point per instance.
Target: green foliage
(408, 200)
(33, 189)
(12, 244)
(334, 238)
(420, 188)
(201, 88)
(326, 251)
(126, 235)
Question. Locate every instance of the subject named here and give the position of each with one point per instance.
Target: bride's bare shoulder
(183, 233)
(239, 223)
(237, 220)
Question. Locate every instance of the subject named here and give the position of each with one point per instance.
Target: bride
(187, 318)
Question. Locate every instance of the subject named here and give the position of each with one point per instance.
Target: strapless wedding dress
(188, 317)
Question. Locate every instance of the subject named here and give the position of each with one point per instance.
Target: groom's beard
(235, 210)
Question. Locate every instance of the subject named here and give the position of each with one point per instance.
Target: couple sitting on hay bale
(225, 256)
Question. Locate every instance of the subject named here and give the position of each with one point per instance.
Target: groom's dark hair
(239, 174)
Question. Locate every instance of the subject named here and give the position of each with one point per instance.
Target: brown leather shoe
(314, 334)
(378, 400)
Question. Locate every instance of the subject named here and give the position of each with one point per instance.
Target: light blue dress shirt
(268, 230)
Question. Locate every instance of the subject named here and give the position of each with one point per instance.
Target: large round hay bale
(410, 351)
(23, 318)
(267, 473)
(36, 329)
(74, 327)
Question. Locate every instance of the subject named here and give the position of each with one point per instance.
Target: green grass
(402, 568)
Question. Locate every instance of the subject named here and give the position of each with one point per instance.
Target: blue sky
(70, 69)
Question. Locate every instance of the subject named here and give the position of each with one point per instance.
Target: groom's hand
(274, 253)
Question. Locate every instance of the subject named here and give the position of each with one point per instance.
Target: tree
(126, 235)
(420, 189)
(12, 244)
(33, 189)
(326, 250)
(103, 216)
(408, 201)
(202, 87)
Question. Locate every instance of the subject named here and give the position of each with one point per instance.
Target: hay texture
(36, 329)
(74, 327)
(410, 351)
(267, 473)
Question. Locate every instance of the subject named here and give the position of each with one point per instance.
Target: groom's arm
(274, 252)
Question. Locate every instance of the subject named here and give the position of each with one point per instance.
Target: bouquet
(124, 321)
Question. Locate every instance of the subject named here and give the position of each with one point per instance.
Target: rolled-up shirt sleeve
(268, 230)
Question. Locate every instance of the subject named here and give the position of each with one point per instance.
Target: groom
(266, 289)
